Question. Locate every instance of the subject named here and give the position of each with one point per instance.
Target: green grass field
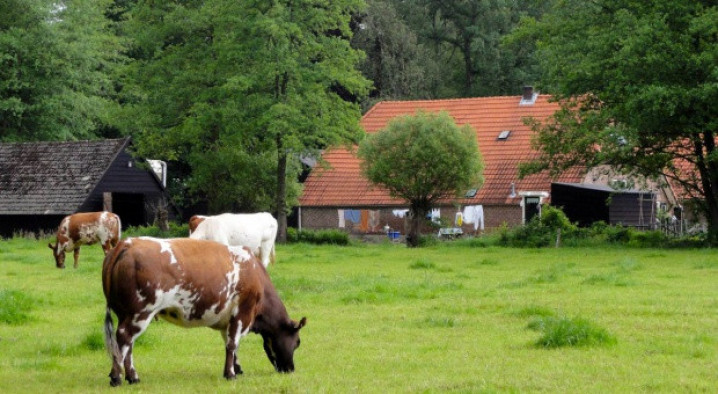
(385, 318)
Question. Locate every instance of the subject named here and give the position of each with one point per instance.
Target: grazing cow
(194, 221)
(85, 229)
(257, 231)
(193, 283)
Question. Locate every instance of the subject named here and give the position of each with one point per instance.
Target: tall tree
(397, 64)
(233, 93)
(182, 104)
(422, 159)
(296, 61)
(474, 29)
(57, 61)
(640, 85)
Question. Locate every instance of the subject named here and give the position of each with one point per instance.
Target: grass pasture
(384, 318)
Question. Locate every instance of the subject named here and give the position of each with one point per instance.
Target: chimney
(528, 96)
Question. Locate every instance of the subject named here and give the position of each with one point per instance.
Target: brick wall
(328, 218)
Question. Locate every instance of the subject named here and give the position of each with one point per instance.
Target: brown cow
(194, 221)
(85, 229)
(193, 283)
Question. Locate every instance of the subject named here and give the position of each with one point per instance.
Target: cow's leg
(231, 340)
(106, 246)
(127, 332)
(239, 325)
(76, 254)
(264, 254)
(234, 361)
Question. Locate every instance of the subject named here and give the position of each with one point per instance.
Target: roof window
(504, 135)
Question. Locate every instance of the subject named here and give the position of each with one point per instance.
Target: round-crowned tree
(422, 158)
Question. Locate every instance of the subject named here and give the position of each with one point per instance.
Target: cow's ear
(50, 246)
(300, 324)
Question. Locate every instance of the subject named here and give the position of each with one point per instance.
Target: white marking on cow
(165, 247)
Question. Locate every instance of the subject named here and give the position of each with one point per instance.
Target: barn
(585, 204)
(41, 182)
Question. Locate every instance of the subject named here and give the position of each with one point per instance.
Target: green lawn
(384, 318)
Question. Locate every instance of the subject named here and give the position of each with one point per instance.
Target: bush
(176, 230)
(560, 332)
(319, 237)
(15, 307)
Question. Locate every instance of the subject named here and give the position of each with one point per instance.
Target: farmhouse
(338, 196)
(41, 182)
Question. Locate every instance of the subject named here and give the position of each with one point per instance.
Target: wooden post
(107, 201)
(558, 237)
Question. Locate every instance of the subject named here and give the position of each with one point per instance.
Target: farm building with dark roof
(41, 182)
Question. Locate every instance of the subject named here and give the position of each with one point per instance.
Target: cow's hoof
(238, 369)
(114, 382)
(230, 377)
(132, 380)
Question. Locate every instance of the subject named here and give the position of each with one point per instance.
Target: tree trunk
(413, 236)
(281, 197)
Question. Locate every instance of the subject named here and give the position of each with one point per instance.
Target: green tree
(56, 66)
(395, 61)
(297, 79)
(233, 93)
(183, 104)
(639, 83)
(422, 159)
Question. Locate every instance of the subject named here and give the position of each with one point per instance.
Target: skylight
(504, 135)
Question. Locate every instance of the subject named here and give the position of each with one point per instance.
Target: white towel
(341, 218)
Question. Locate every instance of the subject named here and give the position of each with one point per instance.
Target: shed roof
(52, 178)
(343, 185)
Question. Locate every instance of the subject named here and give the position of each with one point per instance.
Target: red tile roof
(342, 184)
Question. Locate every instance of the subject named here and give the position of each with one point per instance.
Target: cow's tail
(110, 340)
(271, 255)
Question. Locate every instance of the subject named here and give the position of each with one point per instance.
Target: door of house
(532, 208)
(131, 208)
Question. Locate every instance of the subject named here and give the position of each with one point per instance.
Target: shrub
(554, 218)
(647, 239)
(15, 307)
(319, 237)
(560, 332)
(176, 230)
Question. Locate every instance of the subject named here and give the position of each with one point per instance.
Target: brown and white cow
(85, 228)
(193, 283)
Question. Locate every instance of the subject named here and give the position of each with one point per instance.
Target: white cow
(257, 231)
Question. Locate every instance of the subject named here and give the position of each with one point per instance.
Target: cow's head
(280, 346)
(59, 253)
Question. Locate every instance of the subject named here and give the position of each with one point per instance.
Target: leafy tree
(182, 104)
(298, 69)
(233, 93)
(395, 61)
(639, 82)
(474, 30)
(56, 64)
(423, 159)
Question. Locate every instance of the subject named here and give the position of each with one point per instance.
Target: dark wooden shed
(585, 204)
(41, 182)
